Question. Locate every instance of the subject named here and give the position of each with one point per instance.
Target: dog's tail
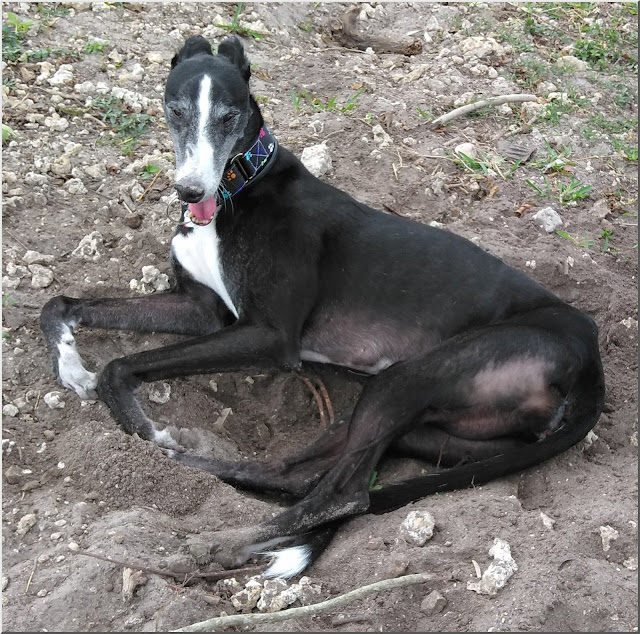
(300, 552)
(397, 495)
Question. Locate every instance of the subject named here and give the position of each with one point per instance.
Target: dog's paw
(74, 376)
(71, 372)
(164, 440)
(232, 548)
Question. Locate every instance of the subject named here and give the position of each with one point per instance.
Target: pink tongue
(205, 209)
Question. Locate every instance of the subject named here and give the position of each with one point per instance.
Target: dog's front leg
(174, 313)
(240, 347)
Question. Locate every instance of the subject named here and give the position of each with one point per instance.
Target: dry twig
(185, 576)
(323, 418)
(471, 107)
(155, 178)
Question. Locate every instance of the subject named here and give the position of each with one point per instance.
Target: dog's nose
(190, 193)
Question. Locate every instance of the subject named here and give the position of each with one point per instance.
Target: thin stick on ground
(185, 576)
(250, 620)
(471, 107)
(327, 401)
(323, 418)
(155, 178)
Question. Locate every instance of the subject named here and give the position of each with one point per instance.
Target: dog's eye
(228, 118)
(177, 113)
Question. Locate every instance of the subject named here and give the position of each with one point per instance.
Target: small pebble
(73, 546)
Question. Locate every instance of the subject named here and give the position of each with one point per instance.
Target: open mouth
(202, 213)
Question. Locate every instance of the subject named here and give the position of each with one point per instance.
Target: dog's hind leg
(173, 313)
(293, 476)
(537, 382)
(426, 442)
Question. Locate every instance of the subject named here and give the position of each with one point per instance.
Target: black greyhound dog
(472, 363)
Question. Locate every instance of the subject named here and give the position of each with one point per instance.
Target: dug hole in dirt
(87, 172)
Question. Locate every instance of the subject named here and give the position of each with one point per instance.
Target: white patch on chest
(198, 253)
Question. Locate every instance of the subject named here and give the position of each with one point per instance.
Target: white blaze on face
(198, 166)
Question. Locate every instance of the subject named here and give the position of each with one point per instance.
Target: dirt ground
(82, 162)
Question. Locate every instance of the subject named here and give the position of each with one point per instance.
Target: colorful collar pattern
(245, 167)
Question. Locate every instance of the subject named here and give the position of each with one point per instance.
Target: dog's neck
(252, 157)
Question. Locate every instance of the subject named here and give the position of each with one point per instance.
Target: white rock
(466, 148)
(316, 159)
(73, 546)
(277, 595)
(137, 72)
(480, 46)
(160, 394)
(26, 523)
(547, 521)
(5, 582)
(246, 599)
(571, 64)
(380, 136)
(85, 88)
(41, 276)
(34, 179)
(499, 571)
(432, 24)
(56, 122)
(89, 247)
(418, 527)
(54, 400)
(607, 535)
(54, 537)
(76, 187)
(64, 75)
(10, 410)
(548, 219)
(155, 58)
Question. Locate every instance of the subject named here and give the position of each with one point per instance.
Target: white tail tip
(289, 562)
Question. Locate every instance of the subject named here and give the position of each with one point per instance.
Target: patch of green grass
(425, 114)
(585, 242)
(40, 54)
(7, 133)
(56, 11)
(573, 191)
(528, 73)
(306, 100)
(13, 32)
(485, 164)
(552, 160)
(236, 27)
(372, 485)
(7, 300)
(555, 109)
(93, 46)
(628, 150)
(612, 126)
(149, 171)
(564, 193)
(605, 235)
(126, 127)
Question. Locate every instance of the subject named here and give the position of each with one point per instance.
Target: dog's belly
(198, 253)
(351, 341)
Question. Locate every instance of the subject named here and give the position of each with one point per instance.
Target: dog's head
(207, 105)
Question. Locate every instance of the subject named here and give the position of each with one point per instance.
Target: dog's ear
(232, 49)
(195, 45)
